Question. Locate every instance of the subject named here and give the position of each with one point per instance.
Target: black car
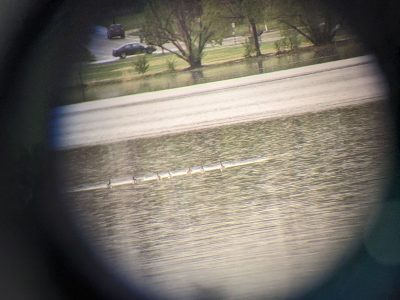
(115, 30)
(132, 49)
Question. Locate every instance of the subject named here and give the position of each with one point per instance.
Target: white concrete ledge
(259, 97)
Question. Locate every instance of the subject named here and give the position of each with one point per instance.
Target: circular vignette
(33, 65)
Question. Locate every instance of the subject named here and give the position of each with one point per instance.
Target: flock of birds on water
(158, 177)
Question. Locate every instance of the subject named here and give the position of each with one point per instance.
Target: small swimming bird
(189, 172)
(169, 175)
(109, 185)
(134, 180)
(202, 170)
(222, 167)
(158, 177)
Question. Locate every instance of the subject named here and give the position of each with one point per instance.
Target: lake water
(294, 201)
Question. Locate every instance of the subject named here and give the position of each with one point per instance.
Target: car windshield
(116, 26)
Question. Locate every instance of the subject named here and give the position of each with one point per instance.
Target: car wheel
(148, 51)
(123, 55)
(123, 36)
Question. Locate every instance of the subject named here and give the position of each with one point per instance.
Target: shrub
(291, 41)
(279, 45)
(219, 41)
(248, 49)
(141, 64)
(171, 63)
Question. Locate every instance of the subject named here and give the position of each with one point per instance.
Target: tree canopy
(190, 24)
(310, 18)
(249, 11)
(183, 23)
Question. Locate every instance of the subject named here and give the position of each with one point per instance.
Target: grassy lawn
(129, 21)
(124, 69)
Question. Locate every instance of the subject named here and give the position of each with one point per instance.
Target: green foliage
(217, 12)
(129, 17)
(291, 39)
(254, 9)
(171, 64)
(221, 34)
(141, 64)
(249, 49)
(252, 12)
(188, 25)
(218, 41)
(153, 33)
(310, 18)
(279, 45)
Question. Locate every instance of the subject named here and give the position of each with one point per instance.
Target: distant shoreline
(264, 56)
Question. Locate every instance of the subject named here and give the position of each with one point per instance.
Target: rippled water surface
(295, 198)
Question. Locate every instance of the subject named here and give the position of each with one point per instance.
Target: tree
(253, 10)
(141, 64)
(250, 11)
(221, 19)
(184, 23)
(310, 18)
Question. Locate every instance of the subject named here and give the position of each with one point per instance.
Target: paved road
(102, 47)
(283, 93)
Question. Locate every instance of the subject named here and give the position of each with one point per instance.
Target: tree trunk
(255, 35)
(194, 64)
(326, 39)
(194, 58)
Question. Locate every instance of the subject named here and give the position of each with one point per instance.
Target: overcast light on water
(295, 198)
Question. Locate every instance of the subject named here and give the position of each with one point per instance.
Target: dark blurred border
(41, 256)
